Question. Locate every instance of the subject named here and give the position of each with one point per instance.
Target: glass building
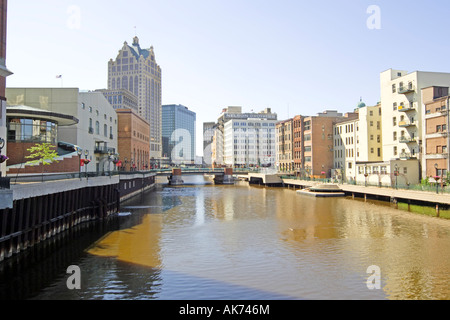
(178, 134)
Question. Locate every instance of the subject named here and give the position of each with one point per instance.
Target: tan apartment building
(285, 147)
(357, 141)
(133, 141)
(437, 139)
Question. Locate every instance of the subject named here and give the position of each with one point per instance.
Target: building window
(394, 88)
(395, 151)
(97, 127)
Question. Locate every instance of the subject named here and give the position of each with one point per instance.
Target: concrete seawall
(41, 210)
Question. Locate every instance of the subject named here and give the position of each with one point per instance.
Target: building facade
(437, 138)
(249, 139)
(133, 141)
(298, 144)
(121, 99)
(135, 69)
(96, 131)
(358, 141)
(208, 137)
(403, 115)
(315, 144)
(285, 145)
(179, 134)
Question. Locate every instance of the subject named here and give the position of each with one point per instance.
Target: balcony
(407, 156)
(408, 89)
(407, 140)
(104, 150)
(406, 108)
(407, 124)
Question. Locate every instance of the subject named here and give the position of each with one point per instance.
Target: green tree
(43, 154)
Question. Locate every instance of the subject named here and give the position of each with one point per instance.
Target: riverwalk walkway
(414, 195)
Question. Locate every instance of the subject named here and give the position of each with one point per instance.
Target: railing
(406, 108)
(104, 150)
(27, 178)
(415, 187)
(407, 89)
(407, 140)
(405, 124)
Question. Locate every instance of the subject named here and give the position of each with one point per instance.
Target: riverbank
(422, 202)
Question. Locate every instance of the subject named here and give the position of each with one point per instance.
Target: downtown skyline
(294, 57)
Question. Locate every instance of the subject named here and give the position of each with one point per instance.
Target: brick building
(133, 141)
(437, 140)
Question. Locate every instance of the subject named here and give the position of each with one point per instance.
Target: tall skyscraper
(178, 134)
(135, 69)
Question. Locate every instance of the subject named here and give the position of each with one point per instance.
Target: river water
(201, 241)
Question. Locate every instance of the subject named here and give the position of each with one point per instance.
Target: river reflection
(201, 241)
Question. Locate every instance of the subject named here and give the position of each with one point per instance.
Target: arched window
(97, 127)
(118, 83)
(125, 82)
(113, 86)
(136, 85)
(131, 84)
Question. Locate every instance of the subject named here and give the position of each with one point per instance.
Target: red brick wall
(67, 165)
(17, 151)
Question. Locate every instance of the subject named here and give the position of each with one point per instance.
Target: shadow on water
(41, 274)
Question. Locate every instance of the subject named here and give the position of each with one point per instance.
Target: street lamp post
(365, 174)
(86, 162)
(3, 158)
(396, 176)
(110, 158)
(79, 152)
(436, 177)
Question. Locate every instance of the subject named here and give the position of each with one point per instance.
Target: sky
(294, 56)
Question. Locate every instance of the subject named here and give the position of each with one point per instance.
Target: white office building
(250, 139)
